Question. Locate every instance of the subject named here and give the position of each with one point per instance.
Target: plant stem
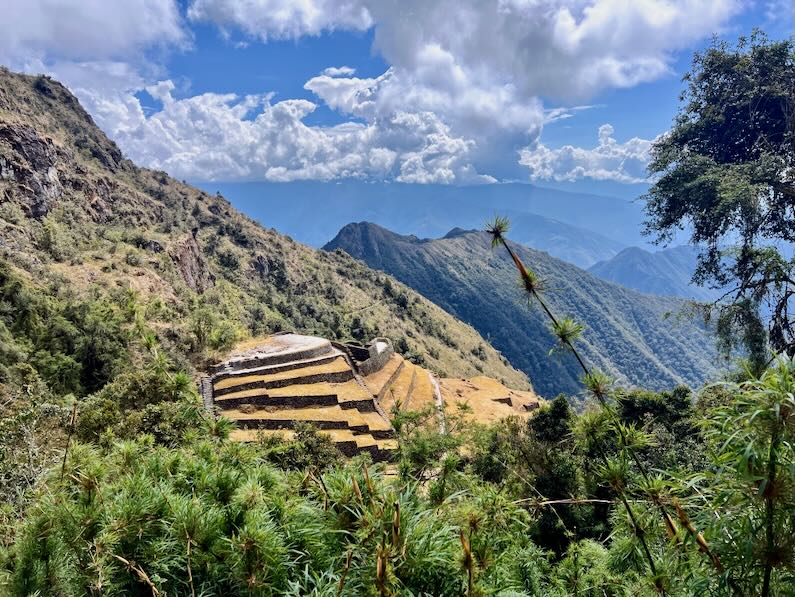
(770, 538)
(638, 531)
(72, 419)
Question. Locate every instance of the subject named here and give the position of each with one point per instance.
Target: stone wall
(303, 401)
(206, 392)
(274, 368)
(328, 377)
(376, 360)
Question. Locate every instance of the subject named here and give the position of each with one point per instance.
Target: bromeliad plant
(629, 440)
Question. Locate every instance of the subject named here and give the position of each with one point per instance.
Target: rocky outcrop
(29, 162)
(188, 258)
(270, 270)
(148, 244)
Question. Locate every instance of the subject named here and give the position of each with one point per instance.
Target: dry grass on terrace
(377, 380)
(399, 389)
(338, 365)
(326, 413)
(336, 435)
(481, 395)
(350, 416)
(345, 391)
(422, 396)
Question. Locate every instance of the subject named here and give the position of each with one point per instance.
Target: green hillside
(78, 222)
(639, 339)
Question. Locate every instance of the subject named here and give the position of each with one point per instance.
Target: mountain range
(639, 339)
(80, 222)
(578, 228)
(667, 272)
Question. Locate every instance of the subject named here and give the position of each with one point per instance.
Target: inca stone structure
(271, 385)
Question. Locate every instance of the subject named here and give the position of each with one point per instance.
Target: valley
(639, 339)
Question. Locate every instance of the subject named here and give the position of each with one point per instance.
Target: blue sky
(558, 92)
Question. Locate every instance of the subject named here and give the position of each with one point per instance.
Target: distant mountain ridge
(629, 335)
(667, 272)
(580, 229)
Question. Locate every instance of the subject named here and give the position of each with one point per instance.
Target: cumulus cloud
(483, 66)
(282, 19)
(464, 93)
(92, 30)
(609, 160)
(230, 137)
(550, 48)
(339, 71)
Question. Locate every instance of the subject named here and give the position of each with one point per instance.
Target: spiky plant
(750, 487)
(567, 331)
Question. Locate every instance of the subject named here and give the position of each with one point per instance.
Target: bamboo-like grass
(567, 331)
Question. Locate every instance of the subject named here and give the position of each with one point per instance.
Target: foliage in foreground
(751, 439)
(520, 508)
(214, 518)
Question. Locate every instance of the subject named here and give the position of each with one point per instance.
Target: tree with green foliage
(725, 172)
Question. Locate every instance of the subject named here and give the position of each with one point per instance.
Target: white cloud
(282, 19)
(86, 30)
(482, 66)
(339, 71)
(550, 48)
(228, 137)
(463, 92)
(99, 50)
(609, 160)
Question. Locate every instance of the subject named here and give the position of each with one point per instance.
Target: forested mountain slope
(80, 225)
(640, 339)
(667, 272)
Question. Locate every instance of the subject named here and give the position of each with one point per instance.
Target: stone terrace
(270, 385)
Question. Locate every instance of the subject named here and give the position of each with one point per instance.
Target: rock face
(29, 162)
(188, 258)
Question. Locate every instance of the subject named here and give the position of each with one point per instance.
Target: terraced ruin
(269, 386)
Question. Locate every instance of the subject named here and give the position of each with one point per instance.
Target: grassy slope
(627, 333)
(103, 212)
